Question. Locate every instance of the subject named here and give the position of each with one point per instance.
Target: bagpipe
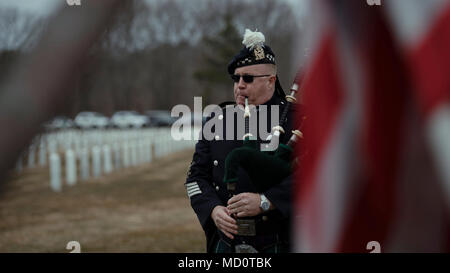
(264, 168)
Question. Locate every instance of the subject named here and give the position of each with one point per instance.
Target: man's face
(260, 90)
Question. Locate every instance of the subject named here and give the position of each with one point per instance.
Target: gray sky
(45, 7)
(37, 7)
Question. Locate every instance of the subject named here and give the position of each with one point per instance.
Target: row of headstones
(46, 144)
(97, 159)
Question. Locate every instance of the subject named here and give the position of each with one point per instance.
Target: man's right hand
(224, 222)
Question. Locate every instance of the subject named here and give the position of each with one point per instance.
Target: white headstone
(116, 149)
(52, 148)
(141, 151)
(85, 141)
(96, 161)
(134, 160)
(42, 154)
(55, 172)
(66, 142)
(84, 164)
(71, 168)
(107, 160)
(148, 151)
(77, 144)
(126, 154)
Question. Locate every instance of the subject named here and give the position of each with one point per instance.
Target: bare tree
(147, 58)
(16, 29)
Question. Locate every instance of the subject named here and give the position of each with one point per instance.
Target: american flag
(377, 129)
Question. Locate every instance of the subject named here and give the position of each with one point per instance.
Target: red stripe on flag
(323, 98)
(430, 62)
(382, 128)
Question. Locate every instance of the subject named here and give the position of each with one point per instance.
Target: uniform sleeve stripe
(192, 190)
(194, 193)
(191, 186)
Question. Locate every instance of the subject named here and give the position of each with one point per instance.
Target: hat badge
(259, 53)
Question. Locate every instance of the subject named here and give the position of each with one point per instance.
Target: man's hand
(245, 204)
(224, 222)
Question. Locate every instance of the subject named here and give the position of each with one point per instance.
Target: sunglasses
(247, 78)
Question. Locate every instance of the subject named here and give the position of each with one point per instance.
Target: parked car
(160, 118)
(59, 123)
(129, 119)
(89, 120)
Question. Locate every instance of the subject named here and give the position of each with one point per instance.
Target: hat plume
(253, 38)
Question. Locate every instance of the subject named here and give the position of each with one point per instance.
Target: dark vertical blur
(38, 84)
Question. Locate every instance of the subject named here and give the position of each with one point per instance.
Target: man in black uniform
(254, 73)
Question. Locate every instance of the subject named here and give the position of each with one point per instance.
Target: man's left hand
(245, 204)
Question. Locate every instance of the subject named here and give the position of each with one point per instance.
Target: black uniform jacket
(207, 190)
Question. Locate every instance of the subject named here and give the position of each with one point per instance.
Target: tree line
(157, 54)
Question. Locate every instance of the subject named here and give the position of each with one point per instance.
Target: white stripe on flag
(439, 138)
(412, 19)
